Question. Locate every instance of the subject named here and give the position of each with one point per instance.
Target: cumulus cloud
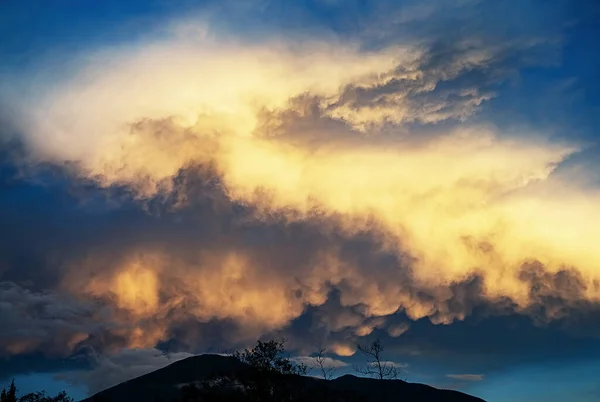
(285, 172)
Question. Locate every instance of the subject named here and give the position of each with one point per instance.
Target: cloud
(327, 362)
(342, 349)
(56, 324)
(397, 330)
(231, 187)
(208, 91)
(466, 377)
(396, 364)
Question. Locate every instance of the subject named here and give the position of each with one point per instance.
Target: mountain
(167, 383)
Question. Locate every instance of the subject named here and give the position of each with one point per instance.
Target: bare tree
(327, 371)
(375, 366)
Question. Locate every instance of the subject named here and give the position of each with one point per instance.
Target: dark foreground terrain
(220, 378)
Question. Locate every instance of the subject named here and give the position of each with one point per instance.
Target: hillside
(165, 384)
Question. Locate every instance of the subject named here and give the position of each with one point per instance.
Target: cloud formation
(285, 173)
(47, 321)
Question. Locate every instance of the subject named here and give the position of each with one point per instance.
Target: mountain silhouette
(169, 384)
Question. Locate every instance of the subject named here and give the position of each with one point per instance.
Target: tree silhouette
(268, 357)
(10, 395)
(326, 371)
(40, 396)
(375, 366)
(266, 376)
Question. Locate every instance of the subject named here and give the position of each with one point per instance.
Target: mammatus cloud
(321, 136)
(397, 329)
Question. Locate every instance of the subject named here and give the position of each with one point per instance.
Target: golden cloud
(471, 202)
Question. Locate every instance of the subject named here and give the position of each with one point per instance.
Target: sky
(184, 177)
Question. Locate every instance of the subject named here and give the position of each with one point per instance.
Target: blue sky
(181, 177)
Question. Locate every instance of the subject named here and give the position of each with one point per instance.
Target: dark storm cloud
(44, 321)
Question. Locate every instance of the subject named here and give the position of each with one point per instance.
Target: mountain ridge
(166, 384)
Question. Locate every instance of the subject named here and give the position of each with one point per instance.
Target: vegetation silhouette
(375, 366)
(262, 373)
(326, 371)
(267, 376)
(267, 357)
(10, 395)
